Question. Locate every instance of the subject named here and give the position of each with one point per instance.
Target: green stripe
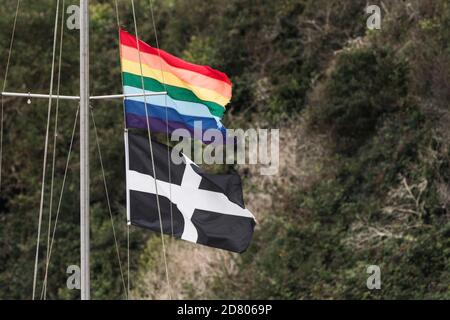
(174, 92)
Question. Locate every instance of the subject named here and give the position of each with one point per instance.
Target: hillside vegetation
(364, 154)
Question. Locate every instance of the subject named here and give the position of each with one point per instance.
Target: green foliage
(381, 133)
(314, 248)
(365, 85)
(381, 107)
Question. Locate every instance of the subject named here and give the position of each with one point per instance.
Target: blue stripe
(182, 107)
(154, 111)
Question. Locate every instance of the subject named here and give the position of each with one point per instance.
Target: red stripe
(130, 40)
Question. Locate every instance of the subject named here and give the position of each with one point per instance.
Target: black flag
(195, 206)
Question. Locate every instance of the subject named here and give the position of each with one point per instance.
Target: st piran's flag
(195, 205)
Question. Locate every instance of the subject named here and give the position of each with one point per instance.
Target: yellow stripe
(170, 79)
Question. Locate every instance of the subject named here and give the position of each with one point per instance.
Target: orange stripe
(194, 78)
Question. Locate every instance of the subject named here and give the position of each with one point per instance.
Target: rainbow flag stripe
(194, 92)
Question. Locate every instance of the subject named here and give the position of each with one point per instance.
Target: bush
(364, 85)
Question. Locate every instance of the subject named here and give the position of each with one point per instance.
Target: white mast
(84, 148)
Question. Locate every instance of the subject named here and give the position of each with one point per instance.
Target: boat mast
(84, 148)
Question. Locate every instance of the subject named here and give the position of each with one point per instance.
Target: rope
(116, 5)
(120, 61)
(11, 42)
(58, 210)
(107, 197)
(55, 136)
(151, 153)
(124, 127)
(167, 118)
(128, 261)
(108, 201)
(41, 206)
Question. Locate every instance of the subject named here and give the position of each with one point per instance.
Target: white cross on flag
(195, 206)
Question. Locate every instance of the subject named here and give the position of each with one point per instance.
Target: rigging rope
(116, 5)
(167, 118)
(58, 210)
(124, 127)
(116, 242)
(128, 261)
(108, 201)
(151, 152)
(4, 87)
(41, 206)
(55, 135)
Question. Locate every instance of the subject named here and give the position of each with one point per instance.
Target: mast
(84, 148)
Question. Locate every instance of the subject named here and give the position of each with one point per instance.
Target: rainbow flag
(195, 94)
